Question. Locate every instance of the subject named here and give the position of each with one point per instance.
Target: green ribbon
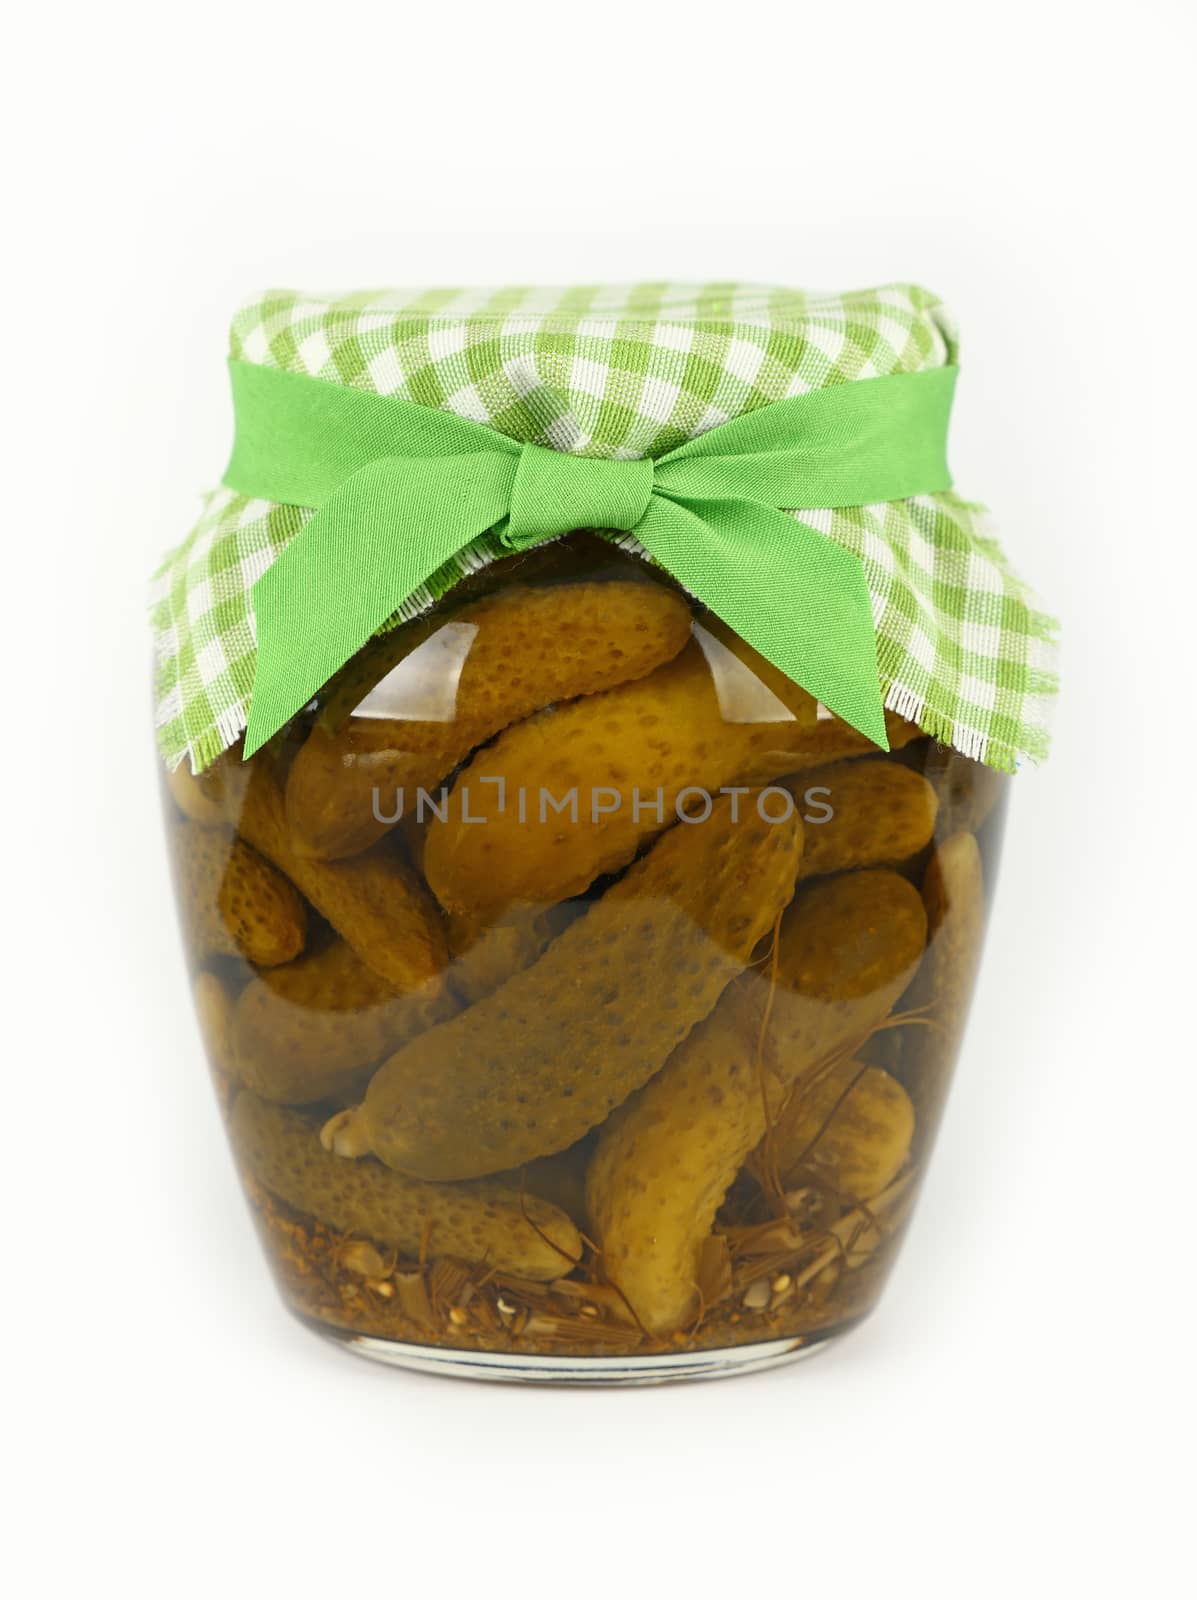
(399, 489)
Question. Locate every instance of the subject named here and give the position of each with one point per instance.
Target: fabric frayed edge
(228, 726)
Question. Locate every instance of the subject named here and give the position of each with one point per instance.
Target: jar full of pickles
(587, 718)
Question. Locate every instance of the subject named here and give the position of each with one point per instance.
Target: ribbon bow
(398, 489)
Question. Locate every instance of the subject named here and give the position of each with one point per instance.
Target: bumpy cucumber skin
(531, 647)
(486, 1223)
(848, 948)
(234, 903)
(852, 1125)
(666, 731)
(311, 1030)
(533, 1066)
(485, 957)
(376, 902)
(666, 1159)
(881, 813)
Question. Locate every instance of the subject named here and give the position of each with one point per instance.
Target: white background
(1017, 1417)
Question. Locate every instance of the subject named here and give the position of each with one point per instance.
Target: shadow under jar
(581, 997)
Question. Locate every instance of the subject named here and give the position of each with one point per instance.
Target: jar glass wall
(581, 997)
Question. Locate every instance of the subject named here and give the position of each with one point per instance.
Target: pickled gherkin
(502, 658)
(481, 1223)
(573, 793)
(846, 950)
(307, 1032)
(533, 1066)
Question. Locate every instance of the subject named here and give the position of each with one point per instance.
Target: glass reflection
(423, 687)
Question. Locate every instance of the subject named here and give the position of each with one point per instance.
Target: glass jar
(581, 996)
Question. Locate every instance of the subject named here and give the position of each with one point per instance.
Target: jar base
(631, 1371)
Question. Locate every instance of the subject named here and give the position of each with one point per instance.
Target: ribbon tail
(799, 599)
(374, 541)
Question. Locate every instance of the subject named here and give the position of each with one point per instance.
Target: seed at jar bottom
(505, 839)
(477, 1222)
(525, 648)
(954, 895)
(311, 1030)
(375, 901)
(880, 813)
(235, 903)
(531, 1068)
(847, 949)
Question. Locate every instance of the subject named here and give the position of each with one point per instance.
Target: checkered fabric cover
(963, 648)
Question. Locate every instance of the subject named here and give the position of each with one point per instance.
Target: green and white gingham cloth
(963, 647)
